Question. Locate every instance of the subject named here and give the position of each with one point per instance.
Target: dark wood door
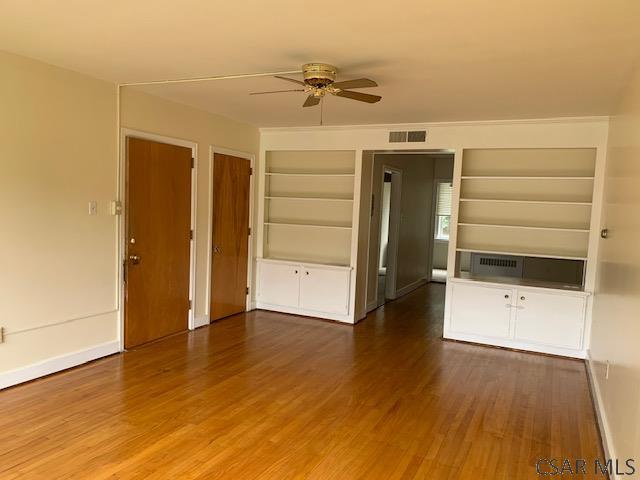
(158, 224)
(231, 180)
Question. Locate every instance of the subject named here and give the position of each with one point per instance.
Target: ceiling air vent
(397, 137)
(417, 136)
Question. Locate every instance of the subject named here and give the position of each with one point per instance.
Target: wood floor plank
(271, 396)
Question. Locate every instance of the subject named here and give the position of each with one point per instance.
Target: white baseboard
(305, 313)
(56, 364)
(410, 288)
(601, 415)
(201, 321)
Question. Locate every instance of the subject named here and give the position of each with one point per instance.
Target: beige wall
(141, 111)
(57, 263)
(415, 222)
(616, 313)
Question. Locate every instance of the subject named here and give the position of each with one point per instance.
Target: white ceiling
(438, 60)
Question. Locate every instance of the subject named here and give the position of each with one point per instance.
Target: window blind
(443, 204)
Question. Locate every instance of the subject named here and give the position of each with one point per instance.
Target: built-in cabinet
(529, 210)
(526, 318)
(303, 288)
(306, 220)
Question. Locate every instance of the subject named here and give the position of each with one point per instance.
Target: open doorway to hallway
(409, 224)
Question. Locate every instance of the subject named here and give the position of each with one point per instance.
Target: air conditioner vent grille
(498, 262)
(397, 137)
(417, 136)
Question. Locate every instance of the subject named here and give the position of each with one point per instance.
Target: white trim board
(252, 159)
(128, 132)
(57, 364)
(601, 415)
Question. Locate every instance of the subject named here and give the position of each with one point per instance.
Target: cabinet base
(305, 313)
(516, 345)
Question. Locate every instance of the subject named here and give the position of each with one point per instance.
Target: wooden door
(229, 263)
(158, 230)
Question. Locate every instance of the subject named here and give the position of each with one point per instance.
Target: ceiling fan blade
(361, 97)
(311, 101)
(357, 83)
(278, 91)
(290, 80)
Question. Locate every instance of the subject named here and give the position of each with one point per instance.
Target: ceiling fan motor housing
(319, 75)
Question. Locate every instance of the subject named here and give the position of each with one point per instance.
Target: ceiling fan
(320, 79)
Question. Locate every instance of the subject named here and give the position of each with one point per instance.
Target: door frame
(120, 209)
(394, 229)
(249, 305)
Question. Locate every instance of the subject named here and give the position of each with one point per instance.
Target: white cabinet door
(481, 310)
(325, 289)
(550, 319)
(279, 283)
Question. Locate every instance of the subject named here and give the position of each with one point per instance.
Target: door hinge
(250, 171)
(247, 290)
(189, 304)
(190, 234)
(193, 162)
(249, 230)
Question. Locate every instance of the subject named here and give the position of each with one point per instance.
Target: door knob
(135, 259)
(216, 249)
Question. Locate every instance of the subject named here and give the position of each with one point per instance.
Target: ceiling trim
(410, 126)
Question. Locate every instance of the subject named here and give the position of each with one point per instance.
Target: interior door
(158, 231)
(229, 261)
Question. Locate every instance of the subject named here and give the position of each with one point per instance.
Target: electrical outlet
(606, 373)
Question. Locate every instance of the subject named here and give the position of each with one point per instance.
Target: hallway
(273, 396)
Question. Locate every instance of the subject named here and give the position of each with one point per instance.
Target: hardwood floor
(270, 396)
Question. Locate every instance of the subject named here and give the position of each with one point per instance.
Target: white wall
(57, 263)
(616, 310)
(451, 137)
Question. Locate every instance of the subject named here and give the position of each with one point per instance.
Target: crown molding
(418, 126)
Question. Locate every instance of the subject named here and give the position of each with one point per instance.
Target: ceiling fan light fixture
(319, 75)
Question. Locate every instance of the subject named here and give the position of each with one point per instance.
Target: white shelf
(309, 174)
(497, 200)
(514, 177)
(322, 199)
(526, 227)
(522, 253)
(307, 260)
(310, 225)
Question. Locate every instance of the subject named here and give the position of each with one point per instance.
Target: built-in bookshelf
(308, 206)
(526, 202)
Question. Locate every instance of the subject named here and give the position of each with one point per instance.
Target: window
(443, 210)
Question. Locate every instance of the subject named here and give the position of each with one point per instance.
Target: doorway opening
(409, 221)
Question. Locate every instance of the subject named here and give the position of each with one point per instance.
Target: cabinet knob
(522, 298)
(506, 296)
(296, 272)
(307, 272)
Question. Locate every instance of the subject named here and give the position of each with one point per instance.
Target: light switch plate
(115, 207)
(93, 207)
